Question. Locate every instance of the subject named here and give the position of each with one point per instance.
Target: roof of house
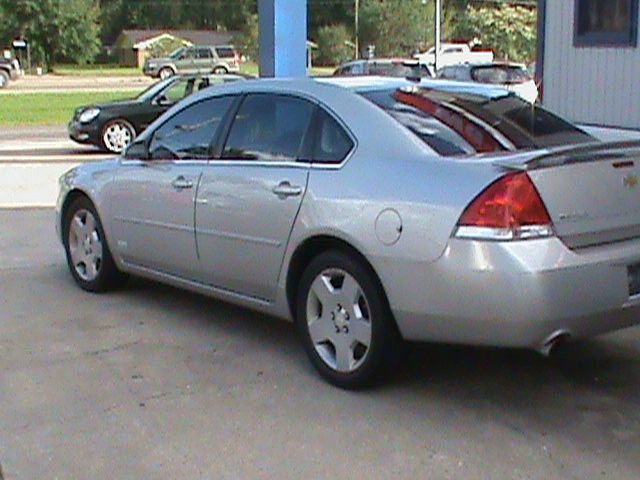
(196, 37)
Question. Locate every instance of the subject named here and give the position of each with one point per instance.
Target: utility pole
(437, 34)
(357, 29)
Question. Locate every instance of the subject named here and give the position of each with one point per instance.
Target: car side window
(203, 53)
(332, 143)
(269, 128)
(176, 92)
(357, 69)
(189, 134)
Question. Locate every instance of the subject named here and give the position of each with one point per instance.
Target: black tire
(4, 79)
(384, 351)
(108, 276)
(220, 71)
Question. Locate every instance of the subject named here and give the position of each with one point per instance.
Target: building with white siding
(589, 60)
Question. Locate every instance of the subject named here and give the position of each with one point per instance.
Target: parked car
(193, 60)
(386, 67)
(9, 70)
(113, 126)
(362, 209)
(511, 76)
(454, 54)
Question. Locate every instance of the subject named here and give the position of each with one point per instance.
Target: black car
(113, 126)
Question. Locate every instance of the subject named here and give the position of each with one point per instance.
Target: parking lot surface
(152, 382)
(32, 159)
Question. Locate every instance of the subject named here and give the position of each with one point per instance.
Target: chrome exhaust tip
(552, 341)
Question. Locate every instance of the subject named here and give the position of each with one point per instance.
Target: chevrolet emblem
(631, 181)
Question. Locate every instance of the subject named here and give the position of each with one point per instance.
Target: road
(151, 382)
(32, 159)
(62, 84)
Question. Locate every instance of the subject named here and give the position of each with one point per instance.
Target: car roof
(487, 65)
(324, 88)
(376, 83)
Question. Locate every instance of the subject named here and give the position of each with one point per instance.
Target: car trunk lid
(592, 192)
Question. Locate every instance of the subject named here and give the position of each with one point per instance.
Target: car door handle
(182, 183)
(285, 189)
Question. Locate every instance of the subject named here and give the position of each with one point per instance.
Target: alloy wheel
(85, 245)
(117, 137)
(339, 320)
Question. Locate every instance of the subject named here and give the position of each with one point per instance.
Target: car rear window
(225, 52)
(431, 131)
(466, 124)
(500, 75)
(389, 69)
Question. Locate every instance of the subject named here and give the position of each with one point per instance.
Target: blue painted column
(283, 38)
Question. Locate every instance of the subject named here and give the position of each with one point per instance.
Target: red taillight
(509, 209)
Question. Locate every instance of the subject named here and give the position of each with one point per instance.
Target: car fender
(90, 180)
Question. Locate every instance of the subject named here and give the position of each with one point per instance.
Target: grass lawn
(251, 68)
(33, 109)
(248, 68)
(97, 70)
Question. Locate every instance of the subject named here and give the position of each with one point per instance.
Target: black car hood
(105, 107)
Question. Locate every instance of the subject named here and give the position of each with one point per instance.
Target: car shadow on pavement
(608, 364)
(584, 385)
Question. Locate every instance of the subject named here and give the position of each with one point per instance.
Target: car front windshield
(175, 55)
(465, 124)
(154, 89)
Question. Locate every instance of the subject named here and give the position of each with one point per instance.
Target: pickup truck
(454, 54)
(8, 71)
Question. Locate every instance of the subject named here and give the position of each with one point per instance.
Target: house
(132, 47)
(589, 60)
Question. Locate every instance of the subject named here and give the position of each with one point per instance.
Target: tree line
(74, 31)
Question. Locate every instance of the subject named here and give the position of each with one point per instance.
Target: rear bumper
(515, 294)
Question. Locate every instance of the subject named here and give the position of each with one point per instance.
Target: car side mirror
(138, 150)
(163, 100)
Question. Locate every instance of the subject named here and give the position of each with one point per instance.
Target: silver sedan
(370, 211)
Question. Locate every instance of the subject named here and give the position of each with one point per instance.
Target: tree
(334, 45)
(395, 27)
(510, 31)
(59, 30)
(248, 41)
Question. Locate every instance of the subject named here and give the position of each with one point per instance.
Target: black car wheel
(117, 135)
(88, 255)
(345, 323)
(220, 71)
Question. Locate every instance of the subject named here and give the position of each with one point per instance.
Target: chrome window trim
(125, 162)
(299, 162)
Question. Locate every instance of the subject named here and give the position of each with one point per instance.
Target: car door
(203, 60)
(186, 63)
(249, 198)
(152, 204)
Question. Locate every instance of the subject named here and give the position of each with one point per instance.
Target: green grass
(251, 68)
(97, 70)
(248, 68)
(38, 109)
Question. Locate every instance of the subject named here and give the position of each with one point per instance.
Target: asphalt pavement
(151, 382)
(32, 159)
(76, 83)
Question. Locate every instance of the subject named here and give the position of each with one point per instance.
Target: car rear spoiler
(589, 152)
